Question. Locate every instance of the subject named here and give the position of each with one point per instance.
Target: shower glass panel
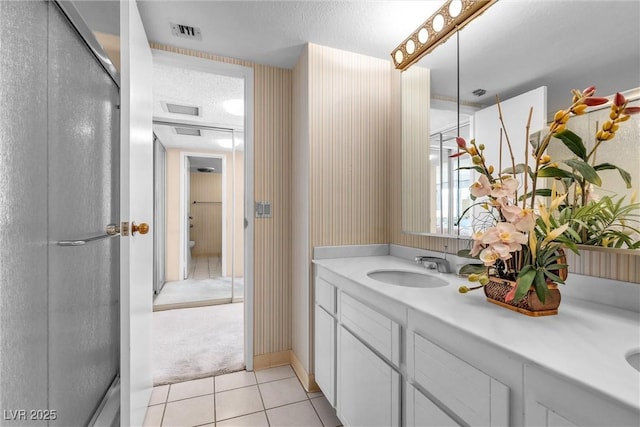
(23, 207)
(83, 175)
(59, 139)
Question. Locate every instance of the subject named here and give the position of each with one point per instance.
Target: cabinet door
(422, 412)
(540, 415)
(475, 397)
(552, 401)
(325, 353)
(368, 388)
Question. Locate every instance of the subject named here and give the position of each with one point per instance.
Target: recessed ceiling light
(234, 106)
(227, 143)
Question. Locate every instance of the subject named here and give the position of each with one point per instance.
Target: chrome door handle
(111, 230)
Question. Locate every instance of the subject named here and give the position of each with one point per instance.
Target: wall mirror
(512, 48)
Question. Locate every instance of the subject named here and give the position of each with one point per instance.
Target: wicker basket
(497, 289)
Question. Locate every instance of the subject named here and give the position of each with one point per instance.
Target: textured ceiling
(206, 91)
(273, 32)
(515, 46)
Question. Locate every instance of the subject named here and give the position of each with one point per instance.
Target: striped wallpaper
(272, 181)
(348, 136)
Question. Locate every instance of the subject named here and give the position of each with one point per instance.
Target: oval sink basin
(634, 360)
(407, 278)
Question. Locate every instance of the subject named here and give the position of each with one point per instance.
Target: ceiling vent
(186, 31)
(189, 110)
(479, 92)
(188, 131)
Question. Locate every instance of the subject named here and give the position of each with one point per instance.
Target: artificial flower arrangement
(522, 238)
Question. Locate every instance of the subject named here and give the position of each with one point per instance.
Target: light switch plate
(263, 209)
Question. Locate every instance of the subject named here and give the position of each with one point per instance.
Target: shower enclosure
(59, 174)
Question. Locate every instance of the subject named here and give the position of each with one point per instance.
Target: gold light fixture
(452, 16)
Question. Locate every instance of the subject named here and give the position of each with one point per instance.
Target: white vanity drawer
(326, 295)
(468, 392)
(377, 330)
(422, 412)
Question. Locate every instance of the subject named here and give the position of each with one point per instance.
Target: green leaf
(472, 269)
(475, 168)
(553, 277)
(524, 283)
(556, 267)
(541, 286)
(551, 172)
(544, 192)
(586, 170)
(626, 176)
(520, 168)
(573, 142)
(465, 253)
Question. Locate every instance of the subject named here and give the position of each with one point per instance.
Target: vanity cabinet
(551, 400)
(470, 395)
(383, 357)
(368, 387)
(357, 357)
(325, 339)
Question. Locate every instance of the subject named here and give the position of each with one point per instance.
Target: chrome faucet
(441, 264)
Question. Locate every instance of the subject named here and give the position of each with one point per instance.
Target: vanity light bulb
(410, 46)
(455, 7)
(438, 23)
(423, 35)
(399, 56)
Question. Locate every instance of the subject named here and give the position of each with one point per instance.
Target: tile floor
(270, 398)
(205, 267)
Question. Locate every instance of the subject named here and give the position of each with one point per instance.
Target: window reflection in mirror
(449, 203)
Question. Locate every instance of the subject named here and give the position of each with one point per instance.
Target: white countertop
(585, 342)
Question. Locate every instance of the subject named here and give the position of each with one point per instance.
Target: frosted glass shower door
(83, 175)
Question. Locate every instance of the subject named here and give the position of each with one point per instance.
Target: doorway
(212, 219)
(203, 120)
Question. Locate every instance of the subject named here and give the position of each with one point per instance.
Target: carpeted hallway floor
(193, 343)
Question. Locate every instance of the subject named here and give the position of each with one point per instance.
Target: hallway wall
(272, 182)
(207, 217)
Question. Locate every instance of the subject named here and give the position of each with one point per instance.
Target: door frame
(184, 197)
(246, 73)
